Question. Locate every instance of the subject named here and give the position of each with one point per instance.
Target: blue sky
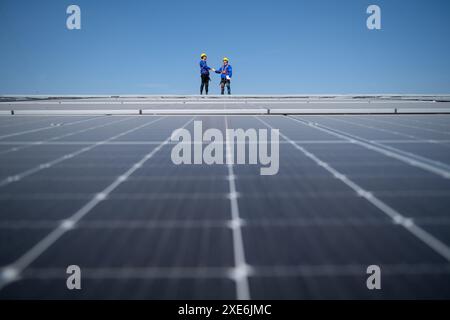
(275, 47)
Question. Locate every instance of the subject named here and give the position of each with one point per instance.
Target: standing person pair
(225, 71)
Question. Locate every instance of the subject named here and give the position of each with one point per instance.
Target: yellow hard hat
(202, 55)
(225, 59)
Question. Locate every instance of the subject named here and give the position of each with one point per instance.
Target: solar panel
(101, 192)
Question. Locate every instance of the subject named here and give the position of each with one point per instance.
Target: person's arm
(230, 71)
(204, 65)
(219, 70)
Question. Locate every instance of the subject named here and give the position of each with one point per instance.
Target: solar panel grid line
(433, 166)
(409, 154)
(412, 126)
(136, 273)
(397, 218)
(35, 120)
(435, 123)
(28, 224)
(44, 128)
(12, 272)
(124, 196)
(165, 196)
(91, 178)
(352, 269)
(418, 136)
(128, 142)
(410, 141)
(420, 122)
(388, 131)
(158, 142)
(340, 222)
(397, 133)
(112, 165)
(242, 269)
(215, 272)
(11, 120)
(23, 174)
(174, 224)
(200, 196)
(14, 123)
(337, 194)
(43, 196)
(119, 224)
(42, 142)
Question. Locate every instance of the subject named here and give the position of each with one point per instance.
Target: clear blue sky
(275, 47)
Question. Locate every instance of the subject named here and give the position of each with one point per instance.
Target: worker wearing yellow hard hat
(226, 72)
(204, 73)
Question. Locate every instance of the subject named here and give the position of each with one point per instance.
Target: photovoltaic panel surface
(102, 192)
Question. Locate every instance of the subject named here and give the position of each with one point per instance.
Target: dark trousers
(223, 83)
(205, 83)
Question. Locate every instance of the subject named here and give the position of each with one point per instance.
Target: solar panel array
(102, 192)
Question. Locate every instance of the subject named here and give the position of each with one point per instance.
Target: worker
(204, 73)
(226, 72)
